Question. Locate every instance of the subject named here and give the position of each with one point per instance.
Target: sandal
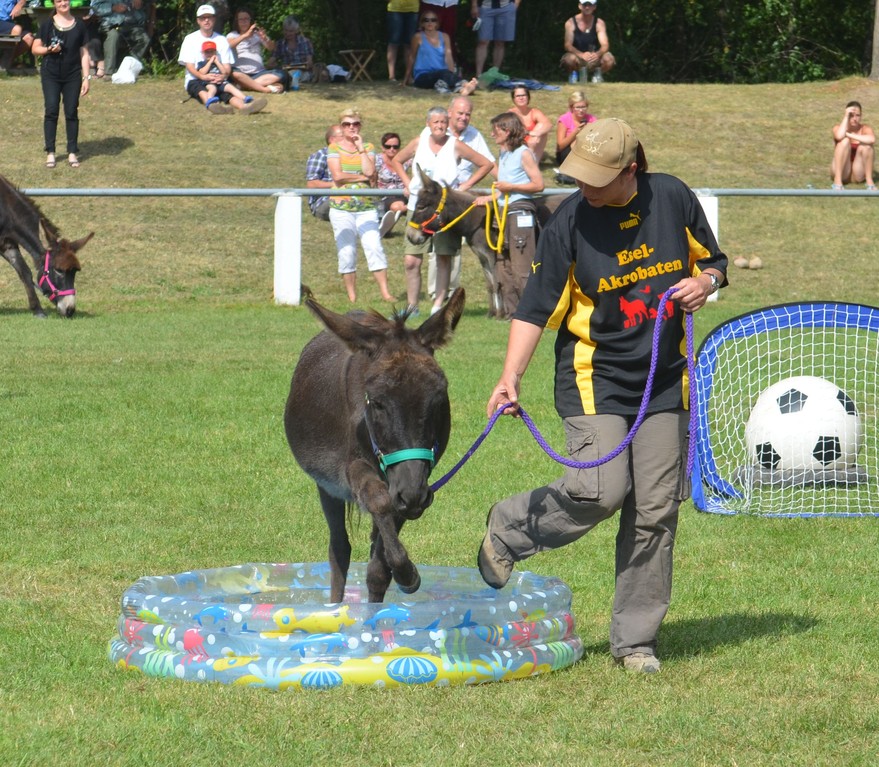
(50, 160)
(72, 161)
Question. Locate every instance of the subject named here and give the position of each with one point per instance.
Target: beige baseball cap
(601, 150)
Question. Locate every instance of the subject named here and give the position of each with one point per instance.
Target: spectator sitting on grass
(431, 64)
(294, 50)
(853, 151)
(568, 128)
(249, 72)
(208, 61)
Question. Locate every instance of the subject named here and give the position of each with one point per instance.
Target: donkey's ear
(50, 231)
(426, 180)
(79, 244)
(355, 335)
(436, 331)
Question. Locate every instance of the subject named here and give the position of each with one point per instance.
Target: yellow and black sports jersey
(598, 278)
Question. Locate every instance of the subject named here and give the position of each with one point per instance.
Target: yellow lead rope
(502, 221)
(489, 207)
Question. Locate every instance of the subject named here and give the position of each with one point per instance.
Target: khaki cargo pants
(513, 265)
(646, 483)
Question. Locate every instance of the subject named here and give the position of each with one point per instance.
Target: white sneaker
(441, 86)
(387, 222)
(597, 77)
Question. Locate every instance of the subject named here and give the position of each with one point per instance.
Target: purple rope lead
(454, 470)
(639, 419)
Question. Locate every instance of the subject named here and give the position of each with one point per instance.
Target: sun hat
(601, 150)
(210, 45)
(205, 10)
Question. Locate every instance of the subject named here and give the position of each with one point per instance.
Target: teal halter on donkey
(398, 456)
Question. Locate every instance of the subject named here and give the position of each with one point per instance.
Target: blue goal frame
(710, 489)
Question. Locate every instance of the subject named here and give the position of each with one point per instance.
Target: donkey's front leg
(391, 551)
(12, 254)
(378, 571)
(371, 492)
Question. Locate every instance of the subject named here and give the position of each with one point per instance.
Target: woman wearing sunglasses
(387, 178)
(351, 162)
(431, 64)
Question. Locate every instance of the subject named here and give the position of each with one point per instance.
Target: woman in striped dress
(351, 162)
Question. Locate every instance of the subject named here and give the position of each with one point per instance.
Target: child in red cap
(208, 61)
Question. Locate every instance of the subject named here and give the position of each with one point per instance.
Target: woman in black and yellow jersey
(603, 263)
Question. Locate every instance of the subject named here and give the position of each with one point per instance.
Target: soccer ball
(803, 423)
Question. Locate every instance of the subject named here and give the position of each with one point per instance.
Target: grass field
(145, 437)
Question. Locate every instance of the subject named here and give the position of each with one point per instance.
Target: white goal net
(735, 473)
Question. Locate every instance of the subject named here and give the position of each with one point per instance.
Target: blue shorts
(498, 23)
(197, 86)
(401, 27)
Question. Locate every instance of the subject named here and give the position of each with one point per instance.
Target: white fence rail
(288, 215)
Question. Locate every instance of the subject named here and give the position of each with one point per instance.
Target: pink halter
(55, 294)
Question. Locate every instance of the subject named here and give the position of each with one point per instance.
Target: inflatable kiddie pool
(270, 625)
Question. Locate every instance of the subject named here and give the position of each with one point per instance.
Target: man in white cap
(603, 263)
(587, 48)
(202, 85)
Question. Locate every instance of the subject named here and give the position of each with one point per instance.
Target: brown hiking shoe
(642, 662)
(495, 570)
(252, 107)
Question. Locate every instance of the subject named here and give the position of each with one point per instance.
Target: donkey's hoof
(411, 589)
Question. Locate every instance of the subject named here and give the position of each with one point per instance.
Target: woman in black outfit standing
(64, 73)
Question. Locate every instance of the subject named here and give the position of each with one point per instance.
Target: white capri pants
(347, 227)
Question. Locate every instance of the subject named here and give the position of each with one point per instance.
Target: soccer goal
(786, 413)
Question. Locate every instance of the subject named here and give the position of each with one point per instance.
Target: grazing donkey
(57, 265)
(366, 419)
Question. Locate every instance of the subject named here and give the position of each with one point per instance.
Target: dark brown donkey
(367, 417)
(57, 265)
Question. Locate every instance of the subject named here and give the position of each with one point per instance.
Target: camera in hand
(56, 41)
